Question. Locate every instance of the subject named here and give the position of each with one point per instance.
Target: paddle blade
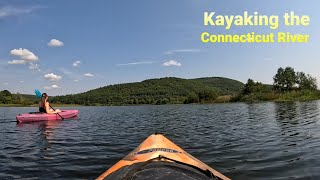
(38, 93)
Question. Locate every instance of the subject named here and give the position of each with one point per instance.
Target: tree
(5, 97)
(285, 79)
(248, 87)
(207, 95)
(6, 93)
(192, 98)
(252, 87)
(306, 81)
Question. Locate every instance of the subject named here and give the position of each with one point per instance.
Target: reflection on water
(45, 136)
(286, 112)
(244, 141)
(293, 115)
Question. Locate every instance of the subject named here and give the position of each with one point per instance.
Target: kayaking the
(159, 158)
(46, 111)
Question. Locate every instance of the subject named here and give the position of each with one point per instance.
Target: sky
(66, 47)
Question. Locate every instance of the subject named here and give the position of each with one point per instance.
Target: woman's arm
(48, 109)
(51, 111)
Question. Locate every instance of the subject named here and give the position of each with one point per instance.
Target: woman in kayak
(44, 105)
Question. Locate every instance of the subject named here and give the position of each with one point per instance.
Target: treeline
(6, 97)
(287, 85)
(153, 91)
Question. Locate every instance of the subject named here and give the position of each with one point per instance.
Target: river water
(243, 141)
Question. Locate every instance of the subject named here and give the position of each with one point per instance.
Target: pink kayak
(37, 116)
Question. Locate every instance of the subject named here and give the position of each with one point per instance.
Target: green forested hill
(27, 97)
(225, 86)
(156, 91)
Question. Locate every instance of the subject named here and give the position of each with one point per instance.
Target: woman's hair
(43, 98)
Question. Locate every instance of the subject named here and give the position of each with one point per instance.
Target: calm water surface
(243, 141)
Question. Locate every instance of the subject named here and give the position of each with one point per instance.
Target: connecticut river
(243, 141)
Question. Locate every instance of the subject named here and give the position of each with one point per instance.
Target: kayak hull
(33, 117)
(157, 149)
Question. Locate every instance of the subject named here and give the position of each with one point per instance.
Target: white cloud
(51, 87)
(55, 86)
(76, 80)
(136, 63)
(88, 75)
(17, 62)
(76, 64)
(182, 50)
(172, 63)
(21, 81)
(55, 43)
(5, 83)
(33, 66)
(52, 77)
(8, 11)
(24, 54)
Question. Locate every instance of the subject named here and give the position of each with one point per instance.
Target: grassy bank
(303, 95)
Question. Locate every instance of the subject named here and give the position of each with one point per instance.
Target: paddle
(39, 95)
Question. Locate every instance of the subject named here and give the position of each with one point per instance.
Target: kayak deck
(36, 116)
(159, 158)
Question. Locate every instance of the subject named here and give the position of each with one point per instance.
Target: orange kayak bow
(159, 158)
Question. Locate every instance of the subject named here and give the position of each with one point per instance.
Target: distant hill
(156, 91)
(225, 86)
(28, 97)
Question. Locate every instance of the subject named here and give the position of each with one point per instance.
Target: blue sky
(121, 41)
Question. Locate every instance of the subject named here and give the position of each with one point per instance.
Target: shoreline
(218, 101)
